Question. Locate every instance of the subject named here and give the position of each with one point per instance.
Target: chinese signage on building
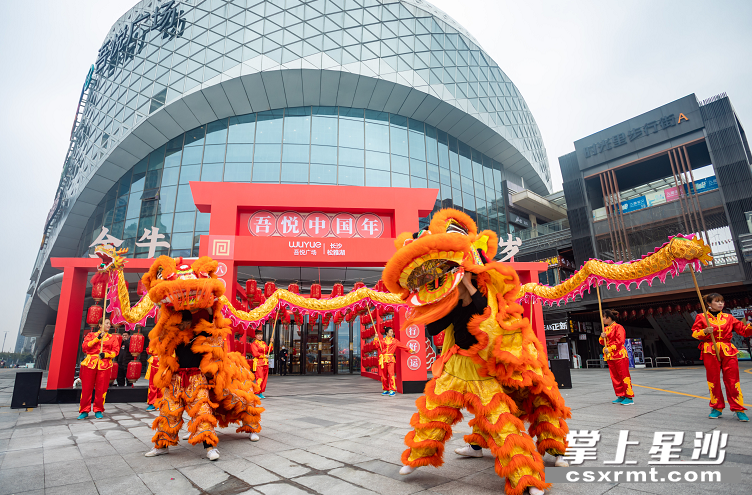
(316, 224)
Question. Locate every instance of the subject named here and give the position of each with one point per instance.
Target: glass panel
(214, 153)
(237, 172)
(189, 173)
(269, 127)
(239, 153)
(167, 199)
(192, 155)
(195, 137)
(432, 155)
(164, 222)
(418, 182)
(242, 129)
(351, 157)
(157, 158)
(312, 349)
(297, 153)
(466, 168)
(185, 199)
(377, 137)
(417, 168)
(182, 241)
(138, 182)
(267, 153)
(400, 180)
(266, 172)
(324, 131)
(417, 146)
(350, 176)
(170, 176)
(296, 173)
(134, 206)
(324, 154)
(351, 133)
(323, 174)
(152, 180)
(376, 160)
(212, 172)
(297, 126)
(184, 222)
(433, 172)
(202, 221)
(131, 227)
(377, 178)
(398, 135)
(454, 158)
(172, 159)
(400, 164)
(216, 132)
(327, 349)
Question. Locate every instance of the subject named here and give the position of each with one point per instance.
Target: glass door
(326, 347)
(344, 339)
(355, 343)
(311, 348)
(296, 349)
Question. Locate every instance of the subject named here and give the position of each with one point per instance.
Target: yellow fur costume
(224, 391)
(503, 379)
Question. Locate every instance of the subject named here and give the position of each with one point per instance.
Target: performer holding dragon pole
(154, 392)
(616, 356)
(387, 348)
(196, 372)
(491, 362)
(716, 323)
(100, 348)
(260, 351)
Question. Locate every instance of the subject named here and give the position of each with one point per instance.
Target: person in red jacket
(614, 353)
(721, 326)
(154, 392)
(260, 351)
(100, 347)
(387, 348)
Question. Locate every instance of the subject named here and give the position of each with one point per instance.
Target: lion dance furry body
(224, 391)
(503, 380)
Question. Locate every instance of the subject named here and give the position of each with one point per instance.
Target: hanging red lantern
(688, 308)
(365, 319)
(136, 345)
(315, 291)
(98, 290)
(734, 303)
(745, 301)
(698, 307)
(134, 371)
(294, 288)
(380, 287)
(359, 285)
(624, 315)
(93, 316)
(651, 311)
(438, 339)
(641, 313)
(269, 289)
(338, 290)
(113, 371)
(677, 309)
(250, 286)
(659, 310)
(632, 314)
(141, 288)
(668, 309)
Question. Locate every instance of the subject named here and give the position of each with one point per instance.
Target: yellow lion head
(178, 285)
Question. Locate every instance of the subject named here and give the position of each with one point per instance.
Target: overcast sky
(580, 65)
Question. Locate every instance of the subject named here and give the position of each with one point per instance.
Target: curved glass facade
(301, 145)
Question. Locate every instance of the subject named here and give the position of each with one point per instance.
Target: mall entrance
(315, 349)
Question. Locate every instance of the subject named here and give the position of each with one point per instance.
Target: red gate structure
(280, 225)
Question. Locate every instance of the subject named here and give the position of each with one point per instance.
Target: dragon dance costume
(214, 386)
(618, 360)
(387, 348)
(502, 379)
(260, 351)
(723, 325)
(95, 371)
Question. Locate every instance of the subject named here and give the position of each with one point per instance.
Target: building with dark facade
(680, 168)
(344, 92)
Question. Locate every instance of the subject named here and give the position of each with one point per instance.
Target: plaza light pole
(6, 336)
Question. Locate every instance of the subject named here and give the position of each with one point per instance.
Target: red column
(405, 373)
(67, 329)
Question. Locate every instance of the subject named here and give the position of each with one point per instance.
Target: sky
(581, 66)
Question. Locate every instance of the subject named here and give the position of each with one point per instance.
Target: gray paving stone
(373, 481)
(21, 458)
(246, 470)
(280, 489)
(338, 454)
(60, 454)
(96, 449)
(65, 473)
(110, 466)
(85, 488)
(205, 475)
(311, 460)
(168, 482)
(279, 465)
(21, 479)
(329, 485)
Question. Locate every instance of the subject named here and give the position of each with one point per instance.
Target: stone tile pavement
(336, 435)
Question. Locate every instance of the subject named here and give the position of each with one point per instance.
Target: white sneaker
(535, 491)
(187, 436)
(468, 451)
(155, 452)
(212, 454)
(255, 437)
(560, 462)
(406, 470)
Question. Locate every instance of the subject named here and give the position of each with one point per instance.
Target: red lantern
(93, 315)
(380, 287)
(641, 313)
(269, 289)
(438, 339)
(632, 314)
(624, 315)
(134, 371)
(98, 290)
(294, 288)
(734, 303)
(746, 302)
(358, 285)
(698, 307)
(659, 310)
(651, 311)
(316, 291)
(677, 309)
(250, 286)
(136, 344)
(668, 309)
(141, 288)
(113, 372)
(338, 290)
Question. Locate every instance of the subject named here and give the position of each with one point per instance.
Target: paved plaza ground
(336, 435)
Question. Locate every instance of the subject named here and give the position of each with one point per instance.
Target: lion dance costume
(221, 390)
(95, 371)
(618, 360)
(723, 325)
(503, 379)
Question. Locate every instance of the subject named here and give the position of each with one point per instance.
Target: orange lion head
(178, 285)
(428, 265)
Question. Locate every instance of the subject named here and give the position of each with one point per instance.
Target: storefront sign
(412, 331)
(633, 204)
(413, 362)
(633, 133)
(552, 327)
(294, 224)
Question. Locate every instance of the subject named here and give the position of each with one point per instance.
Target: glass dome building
(343, 92)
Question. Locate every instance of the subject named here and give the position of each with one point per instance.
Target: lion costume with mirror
(502, 379)
(222, 389)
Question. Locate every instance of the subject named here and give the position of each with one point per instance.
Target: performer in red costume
(260, 351)
(387, 348)
(154, 392)
(100, 347)
(616, 356)
(721, 326)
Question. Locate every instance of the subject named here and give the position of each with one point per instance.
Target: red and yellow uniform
(618, 360)
(95, 372)
(723, 325)
(387, 348)
(154, 392)
(260, 367)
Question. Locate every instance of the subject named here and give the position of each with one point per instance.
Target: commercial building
(380, 93)
(681, 168)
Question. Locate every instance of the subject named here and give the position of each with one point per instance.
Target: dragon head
(110, 256)
(429, 265)
(178, 285)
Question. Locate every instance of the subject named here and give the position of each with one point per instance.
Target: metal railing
(544, 229)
